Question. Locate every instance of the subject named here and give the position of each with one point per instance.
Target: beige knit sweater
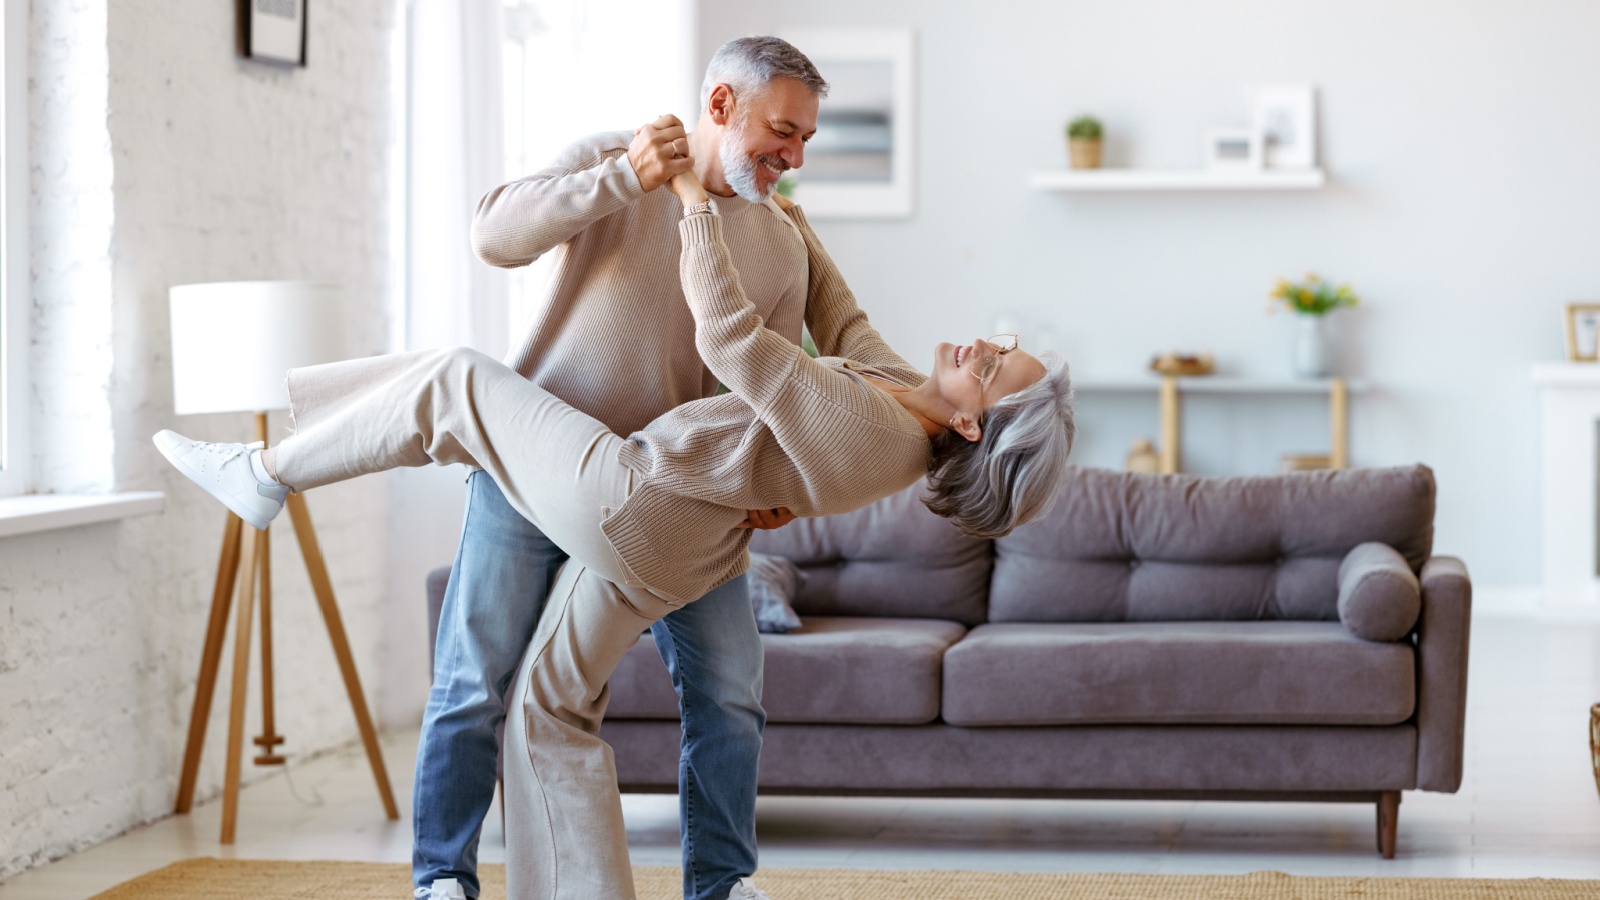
(808, 434)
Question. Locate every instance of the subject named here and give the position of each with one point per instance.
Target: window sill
(46, 512)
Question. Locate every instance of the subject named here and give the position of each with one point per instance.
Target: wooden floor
(1529, 807)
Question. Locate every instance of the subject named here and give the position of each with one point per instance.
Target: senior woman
(655, 520)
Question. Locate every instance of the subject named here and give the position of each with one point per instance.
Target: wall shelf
(1170, 389)
(1219, 384)
(1175, 180)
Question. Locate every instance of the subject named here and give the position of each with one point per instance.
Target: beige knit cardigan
(811, 435)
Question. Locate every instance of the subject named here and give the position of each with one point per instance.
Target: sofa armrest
(1442, 635)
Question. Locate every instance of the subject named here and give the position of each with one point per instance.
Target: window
(14, 256)
(634, 61)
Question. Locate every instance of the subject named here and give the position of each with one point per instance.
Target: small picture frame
(1286, 118)
(274, 31)
(1233, 150)
(1582, 321)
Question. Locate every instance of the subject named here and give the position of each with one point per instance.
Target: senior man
(614, 337)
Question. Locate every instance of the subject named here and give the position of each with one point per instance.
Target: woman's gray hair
(747, 64)
(1010, 474)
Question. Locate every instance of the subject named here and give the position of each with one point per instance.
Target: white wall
(1462, 142)
(178, 163)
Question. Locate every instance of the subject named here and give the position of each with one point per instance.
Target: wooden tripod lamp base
(244, 563)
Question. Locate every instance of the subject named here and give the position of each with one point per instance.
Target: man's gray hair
(1011, 473)
(748, 64)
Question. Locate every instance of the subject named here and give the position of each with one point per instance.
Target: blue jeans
(503, 571)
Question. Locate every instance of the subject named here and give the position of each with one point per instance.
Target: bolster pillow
(1379, 599)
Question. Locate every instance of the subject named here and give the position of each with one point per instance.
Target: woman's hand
(688, 188)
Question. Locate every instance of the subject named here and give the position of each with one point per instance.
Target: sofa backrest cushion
(892, 558)
(1118, 546)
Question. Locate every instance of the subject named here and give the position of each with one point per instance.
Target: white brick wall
(184, 163)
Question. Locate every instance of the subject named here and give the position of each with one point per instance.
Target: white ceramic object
(1310, 347)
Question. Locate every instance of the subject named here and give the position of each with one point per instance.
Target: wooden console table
(1171, 389)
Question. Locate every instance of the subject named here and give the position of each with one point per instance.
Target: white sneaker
(224, 471)
(746, 890)
(443, 889)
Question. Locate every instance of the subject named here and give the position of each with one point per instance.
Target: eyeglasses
(986, 368)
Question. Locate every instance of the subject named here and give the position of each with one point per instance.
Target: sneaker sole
(167, 442)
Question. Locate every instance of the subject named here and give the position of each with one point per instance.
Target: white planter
(1310, 355)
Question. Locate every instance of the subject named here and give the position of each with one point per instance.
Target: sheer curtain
(575, 67)
(453, 155)
(496, 89)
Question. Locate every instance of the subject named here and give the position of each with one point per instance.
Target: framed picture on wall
(859, 164)
(1286, 119)
(275, 30)
(1582, 330)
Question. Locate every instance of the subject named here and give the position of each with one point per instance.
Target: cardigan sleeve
(836, 322)
(520, 221)
(845, 442)
(754, 361)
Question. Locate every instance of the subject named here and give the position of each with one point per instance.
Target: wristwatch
(704, 207)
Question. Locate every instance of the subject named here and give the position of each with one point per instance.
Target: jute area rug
(243, 879)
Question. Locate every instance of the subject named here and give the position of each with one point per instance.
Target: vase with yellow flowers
(1311, 300)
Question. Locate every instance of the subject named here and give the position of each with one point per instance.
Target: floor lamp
(232, 343)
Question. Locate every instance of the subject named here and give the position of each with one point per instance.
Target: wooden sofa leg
(1388, 822)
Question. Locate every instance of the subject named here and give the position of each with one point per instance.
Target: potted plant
(1084, 141)
(1311, 300)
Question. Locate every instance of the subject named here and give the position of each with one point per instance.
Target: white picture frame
(1286, 119)
(275, 31)
(860, 164)
(1233, 150)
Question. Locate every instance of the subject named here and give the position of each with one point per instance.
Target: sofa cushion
(1118, 546)
(1310, 673)
(1379, 597)
(839, 670)
(892, 558)
(774, 581)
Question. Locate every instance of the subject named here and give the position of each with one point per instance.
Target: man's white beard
(738, 168)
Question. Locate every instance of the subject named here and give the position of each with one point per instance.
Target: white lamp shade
(233, 342)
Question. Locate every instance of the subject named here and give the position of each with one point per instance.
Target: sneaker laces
(746, 890)
(228, 452)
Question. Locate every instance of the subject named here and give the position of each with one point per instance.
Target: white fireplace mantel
(1569, 434)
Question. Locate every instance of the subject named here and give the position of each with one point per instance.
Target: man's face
(766, 136)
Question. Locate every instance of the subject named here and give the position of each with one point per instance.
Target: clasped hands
(659, 151)
(659, 154)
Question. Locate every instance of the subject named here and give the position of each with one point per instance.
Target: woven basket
(1594, 742)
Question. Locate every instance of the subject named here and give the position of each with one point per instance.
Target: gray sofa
(1150, 637)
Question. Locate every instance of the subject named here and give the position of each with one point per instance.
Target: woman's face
(956, 368)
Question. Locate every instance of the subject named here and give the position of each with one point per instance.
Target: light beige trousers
(557, 466)
(565, 836)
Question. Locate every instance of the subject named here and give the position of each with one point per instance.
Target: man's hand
(776, 517)
(659, 151)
